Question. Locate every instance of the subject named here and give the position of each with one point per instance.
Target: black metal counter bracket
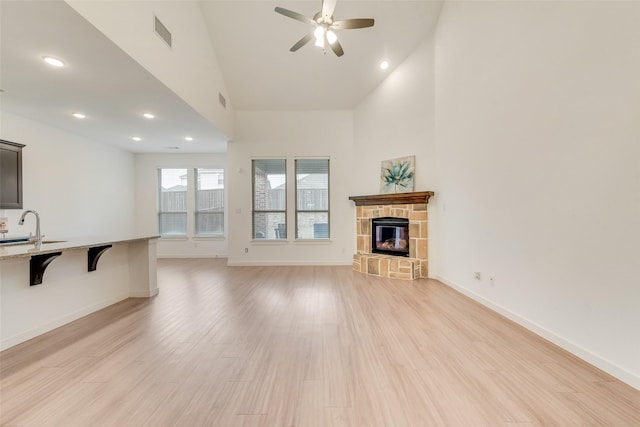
(38, 264)
(94, 255)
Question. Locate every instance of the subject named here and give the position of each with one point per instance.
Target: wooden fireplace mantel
(393, 199)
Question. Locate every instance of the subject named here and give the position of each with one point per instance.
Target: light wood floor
(301, 346)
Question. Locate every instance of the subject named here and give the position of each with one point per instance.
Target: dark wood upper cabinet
(10, 175)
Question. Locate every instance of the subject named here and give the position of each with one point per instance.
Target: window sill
(268, 242)
(313, 242)
(174, 238)
(209, 238)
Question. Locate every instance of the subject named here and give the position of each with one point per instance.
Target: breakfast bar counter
(14, 250)
(42, 288)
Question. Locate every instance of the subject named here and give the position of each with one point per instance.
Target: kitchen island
(42, 288)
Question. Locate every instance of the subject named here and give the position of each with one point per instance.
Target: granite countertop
(50, 245)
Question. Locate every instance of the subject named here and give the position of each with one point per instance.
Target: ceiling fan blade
(328, 6)
(352, 24)
(306, 39)
(295, 15)
(336, 47)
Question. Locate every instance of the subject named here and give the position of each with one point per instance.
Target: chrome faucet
(38, 237)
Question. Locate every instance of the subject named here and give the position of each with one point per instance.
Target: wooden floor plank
(301, 346)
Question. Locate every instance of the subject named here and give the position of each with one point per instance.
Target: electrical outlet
(492, 280)
(477, 275)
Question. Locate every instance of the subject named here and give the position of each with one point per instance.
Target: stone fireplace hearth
(412, 206)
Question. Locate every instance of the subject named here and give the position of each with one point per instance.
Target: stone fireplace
(411, 207)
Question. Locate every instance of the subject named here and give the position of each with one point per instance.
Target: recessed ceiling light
(384, 65)
(53, 61)
(148, 116)
(136, 138)
(188, 138)
(79, 116)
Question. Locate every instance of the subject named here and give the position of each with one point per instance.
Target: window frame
(196, 211)
(327, 211)
(160, 212)
(255, 211)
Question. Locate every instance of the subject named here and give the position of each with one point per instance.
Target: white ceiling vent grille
(222, 101)
(162, 31)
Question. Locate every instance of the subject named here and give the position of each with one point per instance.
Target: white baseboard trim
(61, 321)
(284, 263)
(573, 348)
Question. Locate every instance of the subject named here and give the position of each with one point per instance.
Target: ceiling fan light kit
(324, 27)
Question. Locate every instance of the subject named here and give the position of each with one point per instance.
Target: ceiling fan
(324, 27)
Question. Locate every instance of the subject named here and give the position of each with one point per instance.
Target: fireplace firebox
(390, 236)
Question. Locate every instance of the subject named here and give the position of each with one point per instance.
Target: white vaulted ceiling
(252, 43)
(250, 40)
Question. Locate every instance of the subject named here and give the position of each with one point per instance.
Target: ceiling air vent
(222, 101)
(162, 31)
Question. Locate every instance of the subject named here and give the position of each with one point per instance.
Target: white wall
(67, 292)
(538, 130)
(397, 120)
(146, 187)
(79, 187)
(287, 134)
(190, 67)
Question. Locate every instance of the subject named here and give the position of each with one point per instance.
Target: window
(269, 199)
(172, 201)
(209, 202)
(312, 198)
(191, 202)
